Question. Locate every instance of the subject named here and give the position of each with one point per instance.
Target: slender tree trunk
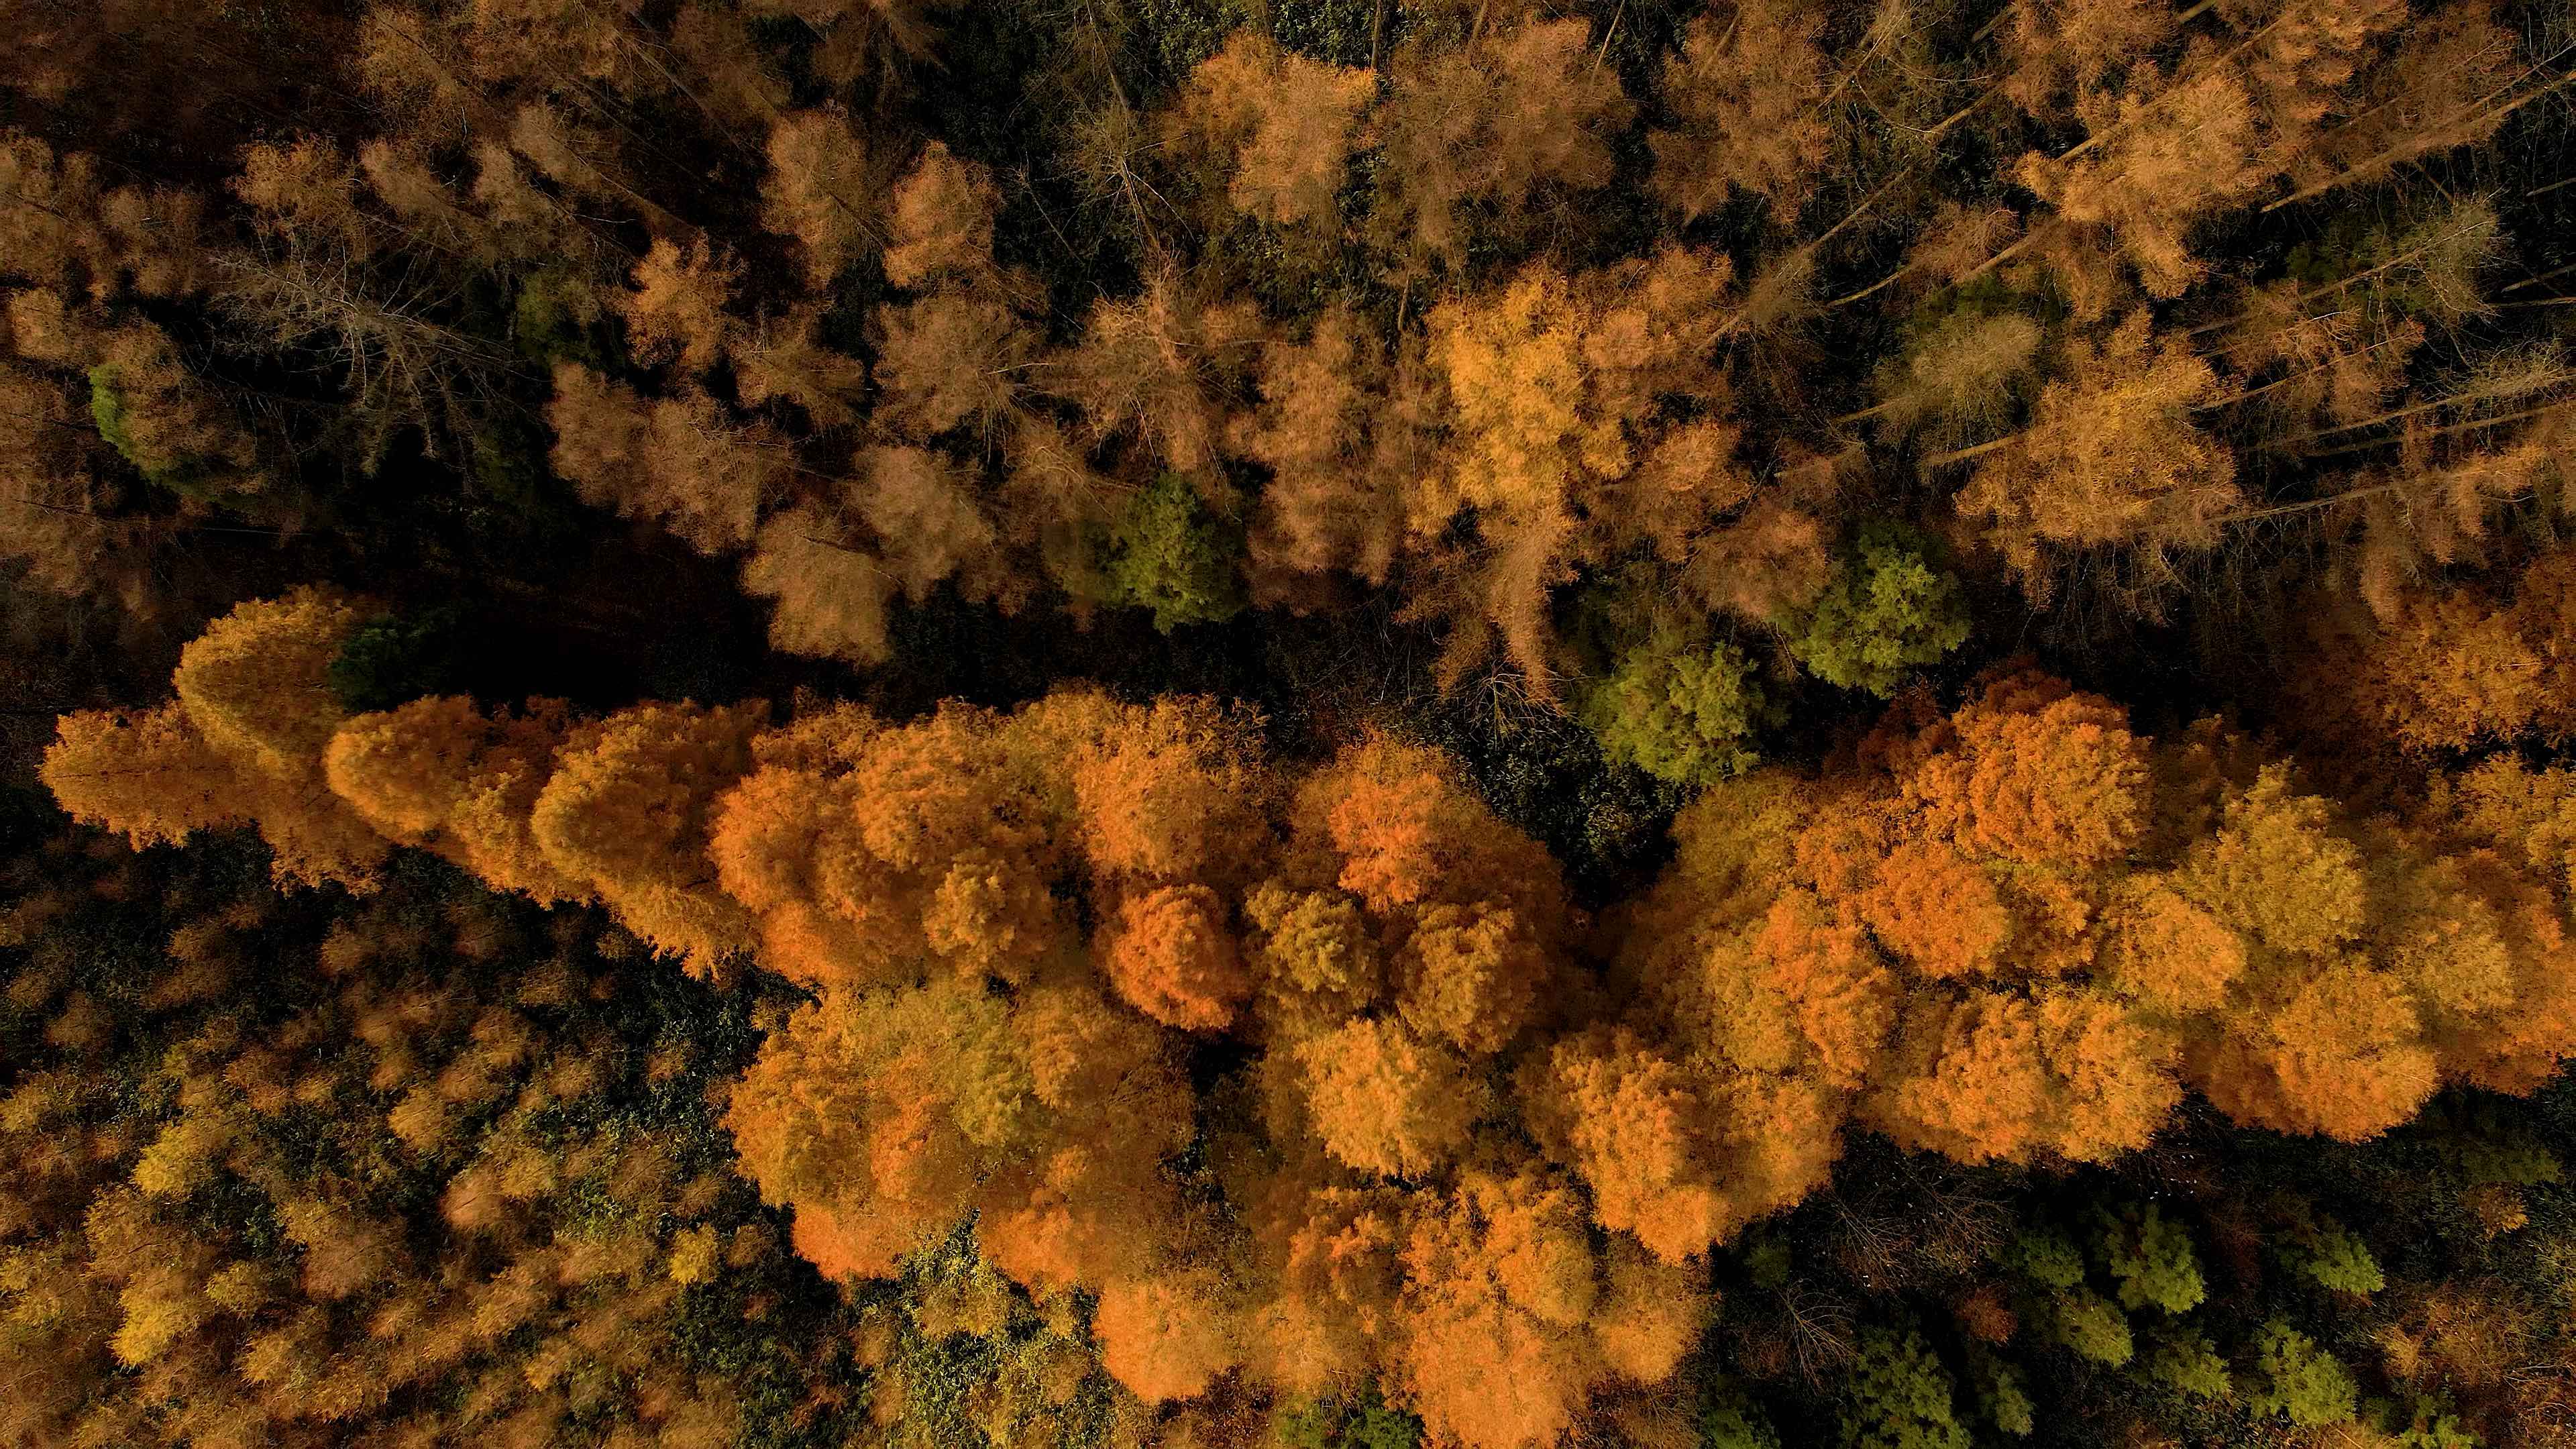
(2402, 97)
(1961, 455)
(1892, 278)
(2254, 392)
(2305, 505)
(2327, 289)
(2176, 86)
(1609, 35)
(2472, 425)
(2421, 144)
(2396, 415)
(1991, 26)
(1997, 260)
(1961, 114)
(2536, 281)
(1882, 284)
(2172, 88)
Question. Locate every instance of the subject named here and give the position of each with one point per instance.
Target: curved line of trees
(1318, 1075)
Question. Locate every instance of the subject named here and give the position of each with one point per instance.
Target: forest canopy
(1337, 724)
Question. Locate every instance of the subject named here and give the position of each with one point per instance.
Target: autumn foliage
(1482, 307)
(1139, 1073)
(397, 1171)
(1452, 1156)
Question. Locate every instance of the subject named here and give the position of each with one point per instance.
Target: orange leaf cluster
(1443, 1153)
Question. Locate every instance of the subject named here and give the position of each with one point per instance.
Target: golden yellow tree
(1560, 451)
(1744, 92)
(678, 461)
(1276, 129)
(242, 745)
(1491, 121)
(441, 774)
(627, 812)
(817, 190)
(2113, 456)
